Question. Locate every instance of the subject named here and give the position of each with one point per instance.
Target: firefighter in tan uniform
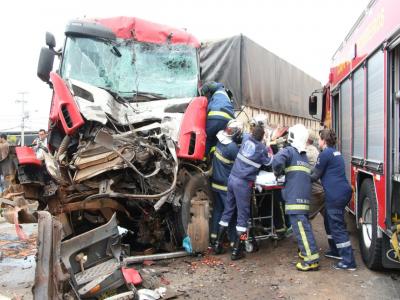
(5, 162)
(317, 202)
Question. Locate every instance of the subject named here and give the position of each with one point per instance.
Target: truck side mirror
(312, 105)
(45, 64)
(50, 40)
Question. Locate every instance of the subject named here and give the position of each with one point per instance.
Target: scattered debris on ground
(12, 247)
(266, 274)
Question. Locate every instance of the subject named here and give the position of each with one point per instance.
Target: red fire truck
(361, 103)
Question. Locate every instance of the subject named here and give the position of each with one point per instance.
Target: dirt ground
(266, 274)
(270, 274)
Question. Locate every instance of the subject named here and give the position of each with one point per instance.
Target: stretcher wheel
(275, 243)
(249, 246)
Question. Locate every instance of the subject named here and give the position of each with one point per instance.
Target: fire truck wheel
(370, 244)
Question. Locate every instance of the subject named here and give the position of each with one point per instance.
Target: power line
(22, 101)
(10, 128)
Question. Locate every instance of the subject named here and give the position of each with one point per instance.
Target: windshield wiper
(146, 96)
(114, 50)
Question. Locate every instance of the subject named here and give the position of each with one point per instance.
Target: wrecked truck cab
(126, 143)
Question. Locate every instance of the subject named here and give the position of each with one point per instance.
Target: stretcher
(261, 222)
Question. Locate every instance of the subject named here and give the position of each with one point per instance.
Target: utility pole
(22, 101)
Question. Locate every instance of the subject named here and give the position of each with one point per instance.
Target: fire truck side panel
(353, 182)
(363, 85)
(380, 189)
(376, 24)
(359, 175)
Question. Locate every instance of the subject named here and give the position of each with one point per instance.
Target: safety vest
(222, 163)
(252, 155)
(297, 191)
(220, 106)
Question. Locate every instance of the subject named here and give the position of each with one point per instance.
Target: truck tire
(195, 212)
(370, 244)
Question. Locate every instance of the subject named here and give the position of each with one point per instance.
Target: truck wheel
(195, 212)
(370, 244)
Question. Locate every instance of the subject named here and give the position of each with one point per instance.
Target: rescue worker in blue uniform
(260, 120)
(279, 215)
(330, 169)
(252, 155)
(292, 161)
(219, 111)
(224, 156)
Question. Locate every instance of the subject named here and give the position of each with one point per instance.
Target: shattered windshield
(131, 68)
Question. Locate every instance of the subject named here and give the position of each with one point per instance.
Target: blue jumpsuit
(252, 155)
(297, 195)
(222, 163)
(330, 166)
(219, 113)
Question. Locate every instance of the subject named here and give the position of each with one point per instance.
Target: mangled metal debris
(125, 150)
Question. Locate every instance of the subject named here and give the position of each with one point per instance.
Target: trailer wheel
(370, 244)
(195, 212)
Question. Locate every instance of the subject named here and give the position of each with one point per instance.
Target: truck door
(395, 129)
(335, 113)
(396, 109)
(345, 125)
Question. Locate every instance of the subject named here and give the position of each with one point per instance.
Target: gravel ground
(267, 274)
(270, 274)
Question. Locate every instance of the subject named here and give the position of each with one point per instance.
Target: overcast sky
(305, 33)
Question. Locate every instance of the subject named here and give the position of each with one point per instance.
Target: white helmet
(232, 132)
(298, 136)
(259, 120)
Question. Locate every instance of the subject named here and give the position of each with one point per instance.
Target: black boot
(238, 248)
(218, 247)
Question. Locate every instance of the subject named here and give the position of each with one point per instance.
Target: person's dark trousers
(220, 198)
(239, 196)
(279, 214)
(286, 216)
(336, 226)
(305, 237)
(331, 242)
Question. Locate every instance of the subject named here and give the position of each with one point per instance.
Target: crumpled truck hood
(101, 105)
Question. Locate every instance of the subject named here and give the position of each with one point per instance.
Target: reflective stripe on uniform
(248, 161)
(297, 207)
(223, 159)
(222, 93)
(219, 187)
(222, 223)
(212, 149)
(213, 235)
(343, 245)
(241, 229)
(298, 168)
(311, 257)
(270, 161)
(304, 238)
(220, 114)
(329, 237)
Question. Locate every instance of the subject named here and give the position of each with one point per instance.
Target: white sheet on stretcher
(268, 179)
